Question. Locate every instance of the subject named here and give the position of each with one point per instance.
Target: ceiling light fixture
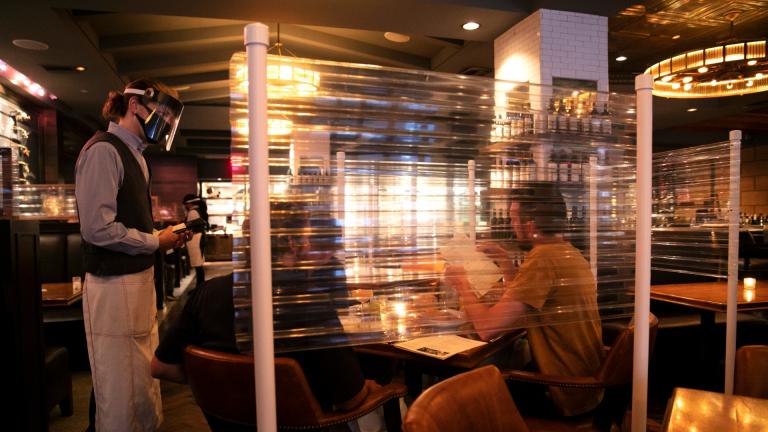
(80, 68)
(22, 81)
(30, 44)
(621, 58)
(676, 37)
(729, 69)
(692, 109)
(396, 37)
(470, 26)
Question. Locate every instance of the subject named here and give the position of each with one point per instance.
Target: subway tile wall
(553, 43)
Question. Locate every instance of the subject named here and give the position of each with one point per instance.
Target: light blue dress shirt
(98, 176)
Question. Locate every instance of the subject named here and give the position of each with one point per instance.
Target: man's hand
(169, 240)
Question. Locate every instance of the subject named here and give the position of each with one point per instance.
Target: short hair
(542, 203)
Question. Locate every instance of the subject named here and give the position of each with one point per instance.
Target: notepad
(440, 347)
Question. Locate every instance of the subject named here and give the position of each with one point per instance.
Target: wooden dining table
(59, 294)
(710, 298)
(702, 411)
(415, 365)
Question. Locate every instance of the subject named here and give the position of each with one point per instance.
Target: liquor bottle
(576, 173)
(605, 121)
(527, 119)
(552, 167)
(562, 121)
(594, 119)
(573, 118)
(585, 120)
(551, 116)
(563, 167)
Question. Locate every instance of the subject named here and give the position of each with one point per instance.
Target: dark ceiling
(188, 45)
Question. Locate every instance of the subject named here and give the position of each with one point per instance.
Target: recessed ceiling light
(692, 109)
(714, 82)
(687, 86)
(752, 62)
(470, 26)
(667, 78)
(80, 68)
(702, 69)
(396, 37)
(687, 79)
(758, 75)
(676, 37)
(676, 86)
(621, 58)
(30, 44)
(750, 83)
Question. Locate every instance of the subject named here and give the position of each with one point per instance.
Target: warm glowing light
(676, 37)
(687, 86)
(621, 58)
(750, 283)
(80, 68)
(692, 109)
(715, 61)
(470, 26)
(749, 295)
(400, 309)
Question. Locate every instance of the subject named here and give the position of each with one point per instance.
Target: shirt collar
(127, 136)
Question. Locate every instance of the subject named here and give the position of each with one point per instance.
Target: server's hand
(169, 240)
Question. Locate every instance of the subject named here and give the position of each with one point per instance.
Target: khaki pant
(121, 330)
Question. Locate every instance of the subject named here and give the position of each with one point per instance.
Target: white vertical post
(256, 42)
(733, 258)
(340, 187)
(593, 178)
(472, 198)
(643, 87)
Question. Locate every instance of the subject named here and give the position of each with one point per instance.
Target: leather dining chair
(477, 400)
(751, 376)
(614, 375)
(223, 387)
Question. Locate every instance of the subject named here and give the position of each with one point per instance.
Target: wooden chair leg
(392, 415)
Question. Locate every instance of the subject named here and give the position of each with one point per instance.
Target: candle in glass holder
(749, 283)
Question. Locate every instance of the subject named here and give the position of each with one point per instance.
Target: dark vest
(134, 210)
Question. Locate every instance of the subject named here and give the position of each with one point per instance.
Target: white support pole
(340, 187)
(643, 87)
(472, 198)
(733, 258)
(593, 211)
(256, 42)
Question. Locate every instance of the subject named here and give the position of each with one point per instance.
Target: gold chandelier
(725, 70)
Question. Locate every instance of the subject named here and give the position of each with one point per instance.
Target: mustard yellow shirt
(564, 330)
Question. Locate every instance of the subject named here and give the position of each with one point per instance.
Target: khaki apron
(121, 330)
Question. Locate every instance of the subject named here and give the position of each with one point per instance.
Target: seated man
(207, 320)
(553, 294)
(304, 269)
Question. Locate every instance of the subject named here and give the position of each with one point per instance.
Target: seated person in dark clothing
(303, 266)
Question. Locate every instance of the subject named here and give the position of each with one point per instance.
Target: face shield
(164, 113)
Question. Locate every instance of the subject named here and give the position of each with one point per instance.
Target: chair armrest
(552, 380)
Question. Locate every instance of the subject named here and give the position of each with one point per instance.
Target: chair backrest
(222, 384)
(297, 405)
(477, 400)
(616, 368)
(751, 378)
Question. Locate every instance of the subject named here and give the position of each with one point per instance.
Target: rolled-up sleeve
(99, 173)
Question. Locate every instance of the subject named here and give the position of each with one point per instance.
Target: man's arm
(168, 371)
(489, 320)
